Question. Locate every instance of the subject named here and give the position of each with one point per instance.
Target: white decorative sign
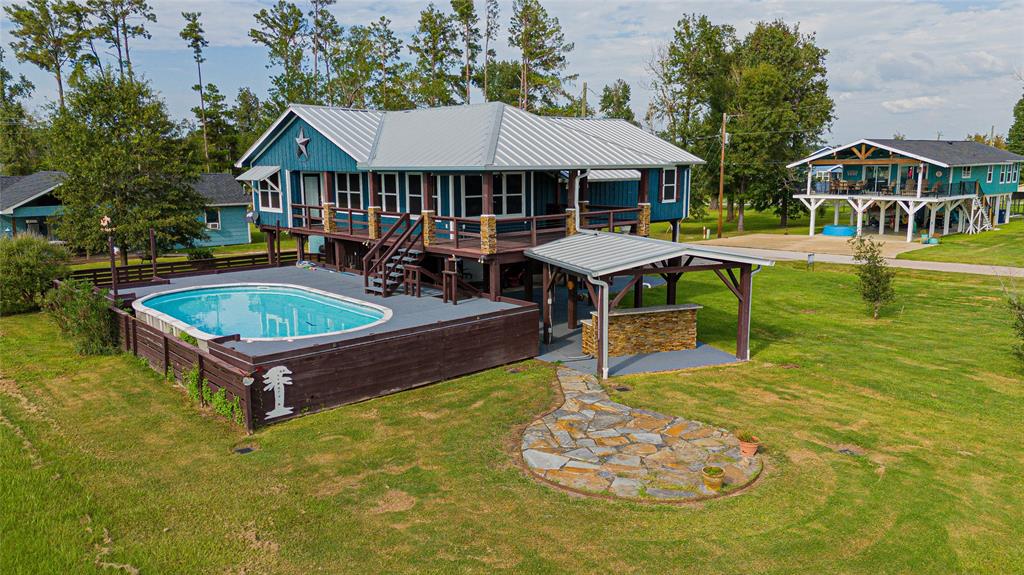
(276, 378)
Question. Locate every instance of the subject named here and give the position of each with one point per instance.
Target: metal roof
(221, 190)
(354, 131)
(613, 175)
(596, 254)
(16, 192)
(257, 173)
(626, 134)
(943, 153)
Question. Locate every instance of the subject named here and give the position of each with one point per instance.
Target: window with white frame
(348, 190)
(669, 185)
(1016, 173)
(988, 178)
(212, 217)
(965, 172)
(509, 191)
(414, 193)
(1002, 174)
(389, 192)
(268, 192)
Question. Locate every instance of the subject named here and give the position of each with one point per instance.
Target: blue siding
(233, 228)
(624, 194)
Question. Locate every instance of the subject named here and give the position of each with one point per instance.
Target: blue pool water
(256, 311)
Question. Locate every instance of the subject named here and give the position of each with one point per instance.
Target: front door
(311, 195)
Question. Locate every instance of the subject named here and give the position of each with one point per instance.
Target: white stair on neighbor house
(392, 273)
(978, 221)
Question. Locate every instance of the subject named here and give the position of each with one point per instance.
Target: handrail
(404, 244)
(368, 258)
(610, 214)
(307, 214)
(454, 232)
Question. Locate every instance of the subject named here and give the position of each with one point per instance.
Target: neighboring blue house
(488, 180)
(28, 205)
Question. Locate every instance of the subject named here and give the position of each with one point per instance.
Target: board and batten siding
(624, 194)
(234, 229)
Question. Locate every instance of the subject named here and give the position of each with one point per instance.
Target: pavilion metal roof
(597, 254)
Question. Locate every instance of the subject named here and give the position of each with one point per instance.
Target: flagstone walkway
(595, 445)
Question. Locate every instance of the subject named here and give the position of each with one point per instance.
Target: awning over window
(257, 173)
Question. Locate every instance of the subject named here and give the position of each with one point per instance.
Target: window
(212, 216)
(389, 192)
(965, 172)
(1016, 173)
(508, 195)
(348, 190)
(268, 191)
(988, 178)
(472, 196)
(414, 193)
(669, 185)
(1002, 174)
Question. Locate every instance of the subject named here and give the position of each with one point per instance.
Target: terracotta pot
(712, 482)
(749, 448)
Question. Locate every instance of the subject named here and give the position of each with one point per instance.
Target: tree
(124, 158)
(1015, 301)
(543, 53)
(1015, 137)
(469, 33)
(503, 82)
(437, 59)
(490, 35)
(324, 28)
(991, 139)
(390, 79)
(284, 31)
(250, 118)
(220, 136)
(117, 22)
(875, 275)
(19, 142)
(354, 64)
(615, 101)
(193, 34)
(49, 34)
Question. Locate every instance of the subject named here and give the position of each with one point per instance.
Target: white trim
(139, 307)
(258, 144)
(320, 186)
(675, 185)
(408, 195)
(827, 152)
(965, 172)
(258, 201)
(206, 218)
(384, 194)
(988, 176)
(349, 193)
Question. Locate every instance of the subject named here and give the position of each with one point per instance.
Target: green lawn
(258, 244)
(1002, 247)
(692, 229)
(101, 462)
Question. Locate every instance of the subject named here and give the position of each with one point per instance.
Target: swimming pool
(257, 312)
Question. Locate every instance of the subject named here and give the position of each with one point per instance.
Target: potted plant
(713, 477)
(748, 443)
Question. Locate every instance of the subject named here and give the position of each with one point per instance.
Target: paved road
(987, 270)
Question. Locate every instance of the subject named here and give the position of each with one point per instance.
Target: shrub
(876, 277)
(1016, 302)
(83, 315)
(28, 266)
(194, 254)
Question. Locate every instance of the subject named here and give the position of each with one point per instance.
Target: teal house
(942, 186)
(479, 183)
(28, 205)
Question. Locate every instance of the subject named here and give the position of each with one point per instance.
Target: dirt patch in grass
(394, 501)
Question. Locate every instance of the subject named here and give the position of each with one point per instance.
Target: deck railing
(609, 218)
(307, 216)
(519, 230)
(462, 232)
(881, 188)
(101, 277)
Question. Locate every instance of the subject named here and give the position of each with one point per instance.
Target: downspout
(603, 315)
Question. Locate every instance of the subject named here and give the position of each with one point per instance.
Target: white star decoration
(302, 141)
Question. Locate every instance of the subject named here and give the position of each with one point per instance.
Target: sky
(918, 68)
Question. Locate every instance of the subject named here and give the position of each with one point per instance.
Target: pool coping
(141, 309)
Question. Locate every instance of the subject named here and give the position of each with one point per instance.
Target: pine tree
(490, 35)
(437, 59)
(284, 32)
(324, 31)
(19, 141)
(117, 21)
(1015, 137)
(469, 32)
(354, 65)
(543, 54)
(390, 79)
(49, 34)
(615, 101)
(193, 34)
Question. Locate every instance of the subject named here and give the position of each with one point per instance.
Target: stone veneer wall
(645, 330)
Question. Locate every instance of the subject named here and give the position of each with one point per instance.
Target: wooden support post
(487, 193)
(546, 303)
(339, 255)
(494, 280)
(167, 356)
(743, 316)
(528, 280)
(638, 292)
(277, 241)
(135, 334)
(572, 320)
(270, 247)
(152, 250)
(374, 190)
(428, 192)
(570, 189)
(300, 247)
(643, 191)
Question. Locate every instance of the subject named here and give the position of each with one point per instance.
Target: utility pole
(721, 177)
(583, 102)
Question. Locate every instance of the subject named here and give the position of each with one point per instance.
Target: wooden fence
(175, 357)
(101, 277)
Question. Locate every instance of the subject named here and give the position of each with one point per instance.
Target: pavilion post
(638, 291)
(675, 231)
(546, 304)
(571, 315)
(743, 316)
(494, 280)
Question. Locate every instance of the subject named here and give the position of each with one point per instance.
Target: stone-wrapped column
(570, 221)
(328, 216)
(489, 234)
(429, 227)
(373, 221)
(644, 217)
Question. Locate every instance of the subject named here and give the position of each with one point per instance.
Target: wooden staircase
(978, 221)
(384, 266)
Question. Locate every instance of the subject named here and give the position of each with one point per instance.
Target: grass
(754, 222)
(257, 245)
(104, 462)
(1002, 247)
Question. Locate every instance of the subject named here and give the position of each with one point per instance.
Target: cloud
(916, 104)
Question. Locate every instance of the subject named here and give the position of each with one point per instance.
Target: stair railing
(371, 261)
(400, 249)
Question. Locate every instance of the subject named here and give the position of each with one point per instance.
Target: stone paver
(593, 444)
